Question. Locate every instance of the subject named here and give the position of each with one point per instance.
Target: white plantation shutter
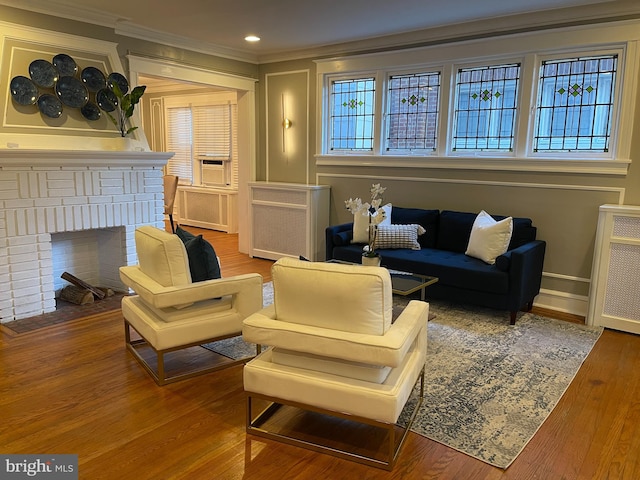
(180, 141)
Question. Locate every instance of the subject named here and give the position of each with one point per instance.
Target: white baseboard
(562, 302)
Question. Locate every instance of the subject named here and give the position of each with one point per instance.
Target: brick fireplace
(87, 201)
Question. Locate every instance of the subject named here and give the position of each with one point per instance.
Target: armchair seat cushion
(318, 363)
(382, 402)
(169, 328)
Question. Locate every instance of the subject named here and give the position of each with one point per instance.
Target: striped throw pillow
(399, 236)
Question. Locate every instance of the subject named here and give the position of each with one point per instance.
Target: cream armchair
(170, 313)
(334, 350)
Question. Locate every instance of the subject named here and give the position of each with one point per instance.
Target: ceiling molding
(503, 25)
(75, 12)
(129, 29)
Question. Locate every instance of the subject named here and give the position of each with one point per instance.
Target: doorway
(163, 74)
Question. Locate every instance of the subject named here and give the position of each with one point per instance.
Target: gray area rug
(489, 386)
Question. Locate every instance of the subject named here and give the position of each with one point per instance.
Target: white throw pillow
(399, 236)
(361, 224)
(489, 239)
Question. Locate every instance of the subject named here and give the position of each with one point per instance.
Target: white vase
(371, 261)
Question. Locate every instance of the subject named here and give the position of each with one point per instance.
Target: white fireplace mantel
(78, 158)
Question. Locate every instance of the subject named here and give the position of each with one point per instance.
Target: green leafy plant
(124, 108)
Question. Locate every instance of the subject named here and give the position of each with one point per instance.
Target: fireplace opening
(93, 256)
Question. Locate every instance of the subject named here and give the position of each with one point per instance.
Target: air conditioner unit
(216, 173)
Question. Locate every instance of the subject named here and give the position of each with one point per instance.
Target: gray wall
(563, 206)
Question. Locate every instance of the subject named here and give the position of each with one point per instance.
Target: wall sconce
(286, 123)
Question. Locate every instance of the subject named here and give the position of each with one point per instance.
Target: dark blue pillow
(184, 234)
(203, 261)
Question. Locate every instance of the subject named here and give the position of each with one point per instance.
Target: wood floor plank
(73, 388)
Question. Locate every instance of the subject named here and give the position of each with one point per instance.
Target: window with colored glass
(412, 118)
(575, 104)
(352, 105)
(485, 108)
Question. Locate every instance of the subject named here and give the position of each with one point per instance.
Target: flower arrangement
(375, 213)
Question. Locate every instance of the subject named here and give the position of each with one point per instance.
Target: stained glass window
(486, 108)
(413, 112)
(352, 114)
(575, 104)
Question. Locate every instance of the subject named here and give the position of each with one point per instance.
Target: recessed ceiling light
(252, 38)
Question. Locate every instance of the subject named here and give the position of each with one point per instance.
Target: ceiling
(287, 26)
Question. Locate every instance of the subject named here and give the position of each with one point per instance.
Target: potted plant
(375, 214)
(124, 107)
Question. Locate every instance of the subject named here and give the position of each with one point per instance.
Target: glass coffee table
(403, 283)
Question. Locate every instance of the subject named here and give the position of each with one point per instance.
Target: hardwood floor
(73, 388)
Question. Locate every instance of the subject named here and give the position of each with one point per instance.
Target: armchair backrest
(162, 256)
(350, 298)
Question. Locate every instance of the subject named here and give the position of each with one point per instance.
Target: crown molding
(75, 12)
(554, 18)
(474, 30)
(129, 29)
(125, 27)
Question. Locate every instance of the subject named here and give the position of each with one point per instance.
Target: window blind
(199, 133)
(212, 132)
(179, 141)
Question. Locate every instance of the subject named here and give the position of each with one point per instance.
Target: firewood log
(77, 295)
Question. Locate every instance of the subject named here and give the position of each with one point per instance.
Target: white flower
(377, 190)
(354, 206)
(373, 210)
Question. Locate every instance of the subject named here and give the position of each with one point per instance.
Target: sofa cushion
(489, 238)
(428, 219)
(523, 231)
(361, 224)
(306, 293)
(399, 236)
(503, 262)
(342, 238)
(452, 269)
(454, 230)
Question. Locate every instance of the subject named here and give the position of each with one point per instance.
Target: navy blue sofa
(510, 284)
